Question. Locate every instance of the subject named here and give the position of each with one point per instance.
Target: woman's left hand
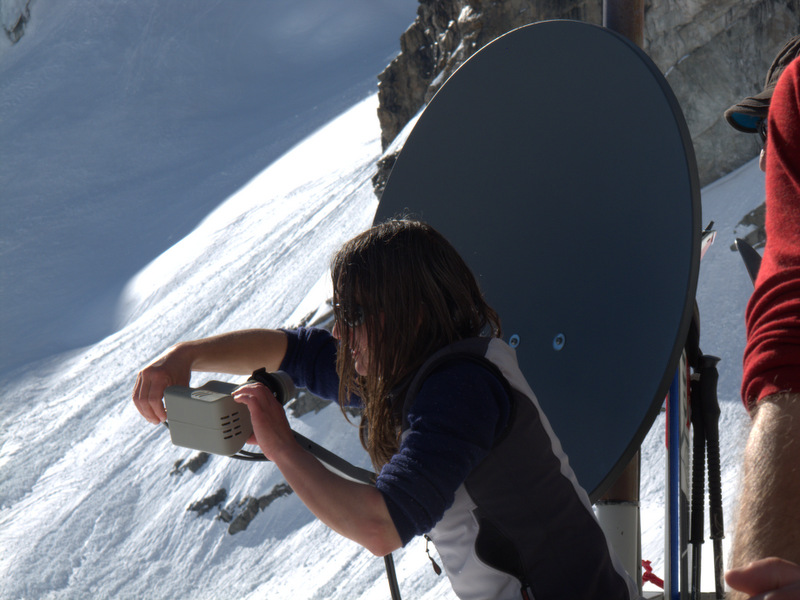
(271, 429)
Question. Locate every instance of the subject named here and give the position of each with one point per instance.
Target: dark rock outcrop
(201, 507)
(249, 507)
(712, 52)
(15, 16)
(445, 34)
(193, 464)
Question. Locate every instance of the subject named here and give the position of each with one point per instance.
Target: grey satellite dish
(558, 162)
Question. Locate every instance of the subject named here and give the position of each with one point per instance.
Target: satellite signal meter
(207, 418)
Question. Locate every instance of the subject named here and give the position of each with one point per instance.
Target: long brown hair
(416, 295)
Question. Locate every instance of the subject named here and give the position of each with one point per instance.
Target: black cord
(250, 456)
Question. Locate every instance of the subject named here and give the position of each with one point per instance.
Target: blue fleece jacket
(458, 414)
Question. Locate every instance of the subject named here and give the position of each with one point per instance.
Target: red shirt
(772, 352)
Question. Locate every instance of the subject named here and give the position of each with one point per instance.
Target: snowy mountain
(170, 172)
(125, 123)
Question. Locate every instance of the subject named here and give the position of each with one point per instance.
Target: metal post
(618, 509)
(618, 514)
(672, 581)
(392, 577)
(626, 17)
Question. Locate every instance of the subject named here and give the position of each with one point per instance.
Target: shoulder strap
(471, 349)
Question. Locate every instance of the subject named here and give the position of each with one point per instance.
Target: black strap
(471, 349)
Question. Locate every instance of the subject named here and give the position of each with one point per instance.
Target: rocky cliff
(712, 52)
(14, 15)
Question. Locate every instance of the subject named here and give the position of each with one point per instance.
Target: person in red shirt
(766, 547)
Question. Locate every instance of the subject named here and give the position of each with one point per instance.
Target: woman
(462, 451)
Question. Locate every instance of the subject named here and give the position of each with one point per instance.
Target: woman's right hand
(148, 392)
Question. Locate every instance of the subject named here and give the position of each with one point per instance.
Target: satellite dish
(558, 163)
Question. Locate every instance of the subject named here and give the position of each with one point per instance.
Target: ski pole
(711, 413)
(391, 575)
(674, 482)
(698, 482)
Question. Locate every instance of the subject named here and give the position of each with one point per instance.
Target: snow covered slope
(90, 502)
(125, 122)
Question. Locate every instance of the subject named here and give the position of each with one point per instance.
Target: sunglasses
(762, 131)
(351, 318)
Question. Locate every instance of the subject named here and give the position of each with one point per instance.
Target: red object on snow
(648, 575)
